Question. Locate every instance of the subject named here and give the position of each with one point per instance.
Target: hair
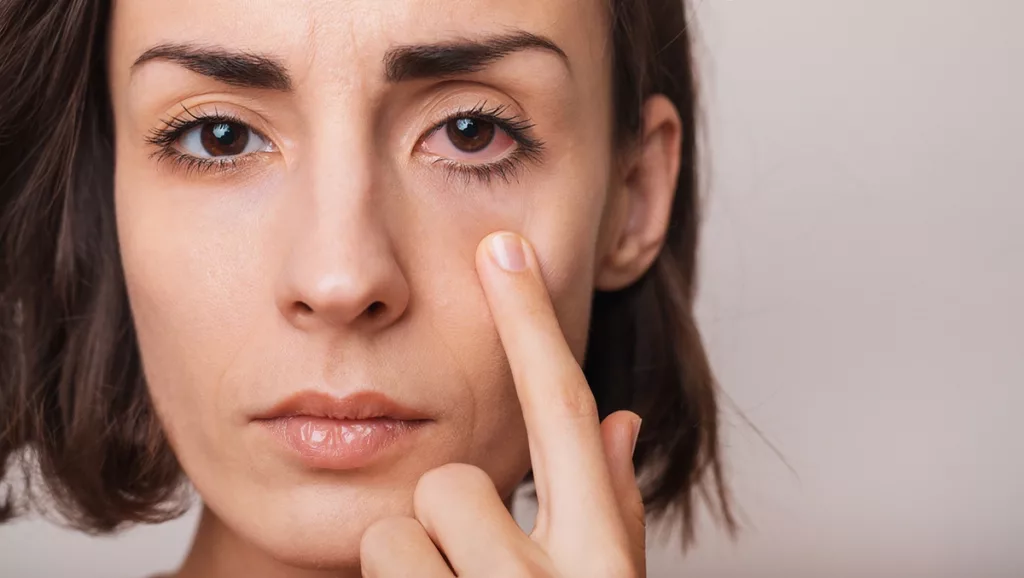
(75, 412)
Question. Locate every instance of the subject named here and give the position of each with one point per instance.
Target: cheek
(564, 237)
(560, 217)
(186, 272)
(559, 211)
(452, 334)
(569, 278)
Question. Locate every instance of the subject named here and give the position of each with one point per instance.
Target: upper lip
(357, 406)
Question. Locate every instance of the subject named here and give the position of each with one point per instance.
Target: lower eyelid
(506, 169)
(192, 165)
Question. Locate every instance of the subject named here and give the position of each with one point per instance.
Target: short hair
(73, 396)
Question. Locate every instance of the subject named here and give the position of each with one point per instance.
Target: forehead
(313, 35)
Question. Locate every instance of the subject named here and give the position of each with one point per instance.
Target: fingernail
(636, 434)
(507, 251)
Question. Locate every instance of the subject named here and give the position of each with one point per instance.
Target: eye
(219, 139)
(468, 138)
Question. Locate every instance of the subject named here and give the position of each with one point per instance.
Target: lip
(326, 432)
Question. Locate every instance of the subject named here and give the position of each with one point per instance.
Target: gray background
(863, 264)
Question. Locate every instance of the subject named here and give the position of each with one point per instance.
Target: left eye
(221, 139)
(469, 139)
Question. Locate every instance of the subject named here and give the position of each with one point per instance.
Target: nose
(341, 269)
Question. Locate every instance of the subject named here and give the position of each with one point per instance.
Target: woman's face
(317, 233)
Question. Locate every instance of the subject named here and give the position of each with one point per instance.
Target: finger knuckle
(449, 480)
(382, 536)
(576, 402)
(563, 392)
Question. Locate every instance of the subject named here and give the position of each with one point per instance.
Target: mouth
(326, 432)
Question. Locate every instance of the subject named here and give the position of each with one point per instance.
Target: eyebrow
(401, 63)
(242, 69)
(461, 57)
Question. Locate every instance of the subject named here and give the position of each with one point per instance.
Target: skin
(249, 285)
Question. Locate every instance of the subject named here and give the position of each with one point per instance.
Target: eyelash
(529, 148)
(164, 138)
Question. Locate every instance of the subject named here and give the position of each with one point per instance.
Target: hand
(590, 520)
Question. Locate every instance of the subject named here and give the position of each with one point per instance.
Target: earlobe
(644, 199)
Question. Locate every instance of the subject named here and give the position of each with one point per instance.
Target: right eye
(469, 140)
(220, 139)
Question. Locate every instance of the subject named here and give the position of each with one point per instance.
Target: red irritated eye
(470, 139)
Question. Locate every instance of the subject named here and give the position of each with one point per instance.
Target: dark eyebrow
(460, 57)
(243, 69)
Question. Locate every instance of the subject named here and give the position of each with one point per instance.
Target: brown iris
(470, 135)
(224, 139)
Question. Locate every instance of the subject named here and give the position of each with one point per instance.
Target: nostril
(304, 309)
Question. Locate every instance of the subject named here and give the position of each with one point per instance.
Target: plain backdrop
(863, 270)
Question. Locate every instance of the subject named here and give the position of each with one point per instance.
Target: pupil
(470, 135)
(224, 139)
(224, 134)
(467, 127)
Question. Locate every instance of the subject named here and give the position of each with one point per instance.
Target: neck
(217, 551)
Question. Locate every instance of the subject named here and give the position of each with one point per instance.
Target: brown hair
(73, 397)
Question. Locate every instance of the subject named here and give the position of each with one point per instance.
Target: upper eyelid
(519, 127)
(483, 110)
(173, 128)
(201, 113)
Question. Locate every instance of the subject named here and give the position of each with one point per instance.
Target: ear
(641, 204)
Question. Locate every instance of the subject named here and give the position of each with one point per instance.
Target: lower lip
(340, 444)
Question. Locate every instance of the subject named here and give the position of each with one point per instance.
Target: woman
(339, 265)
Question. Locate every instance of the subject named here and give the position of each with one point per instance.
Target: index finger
(570, 469)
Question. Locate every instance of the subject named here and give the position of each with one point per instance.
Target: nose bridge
(341, 267)
(338, 162)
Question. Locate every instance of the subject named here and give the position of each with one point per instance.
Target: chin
(318, 526)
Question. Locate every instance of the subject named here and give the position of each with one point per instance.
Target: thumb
(618, 433)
